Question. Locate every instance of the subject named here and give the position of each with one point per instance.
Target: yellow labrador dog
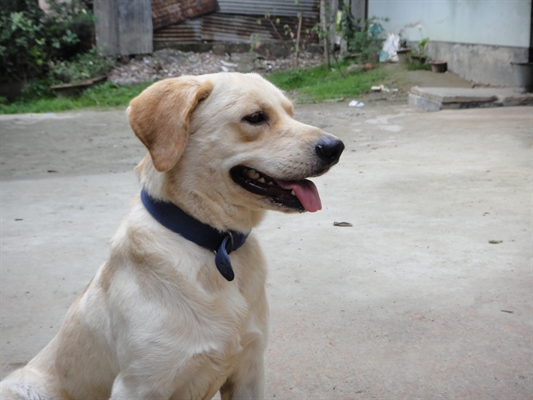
(170, 314)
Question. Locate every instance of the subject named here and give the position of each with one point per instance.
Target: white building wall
(490, 22)
(478, 38)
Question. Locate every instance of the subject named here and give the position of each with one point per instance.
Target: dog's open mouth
(295, 195)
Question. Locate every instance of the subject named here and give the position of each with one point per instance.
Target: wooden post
(106, 15)
(344, 44)
(359, 10)
(297, 49)
(123, 27)
(324, 18)
(334, 8)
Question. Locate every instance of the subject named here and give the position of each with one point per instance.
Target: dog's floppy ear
(160, 115)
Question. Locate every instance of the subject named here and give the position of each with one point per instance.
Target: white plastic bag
(355, 103)
(390, 46)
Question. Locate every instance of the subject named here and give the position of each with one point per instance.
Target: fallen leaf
(342, 224)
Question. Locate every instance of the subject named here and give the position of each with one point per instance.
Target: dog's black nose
(329, 150)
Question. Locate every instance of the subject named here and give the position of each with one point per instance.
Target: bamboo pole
(324, 26)
(297, 49)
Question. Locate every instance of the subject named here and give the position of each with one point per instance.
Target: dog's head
(226, 144)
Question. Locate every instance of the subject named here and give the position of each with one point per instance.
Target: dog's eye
(256, 118)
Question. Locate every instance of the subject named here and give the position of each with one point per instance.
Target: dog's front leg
(125, 388)
(247, 382)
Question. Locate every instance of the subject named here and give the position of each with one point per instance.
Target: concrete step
(440, 98)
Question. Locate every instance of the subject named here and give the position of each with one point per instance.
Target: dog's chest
(235, 325)
(222, 345)
(181, 320)
(206, 373)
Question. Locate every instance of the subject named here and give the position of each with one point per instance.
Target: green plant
(83, 66)
(30, 38)
(364, 39)
(347, 25)
(274, 21)
(70, 26)
(22, 44)
(37, 89)
(419, 50)
(288, 32)
(255, 42)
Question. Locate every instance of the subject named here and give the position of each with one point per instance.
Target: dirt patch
(169, 63)
(399, 81)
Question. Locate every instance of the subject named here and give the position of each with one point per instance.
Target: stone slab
(424, 103)
(439, 98)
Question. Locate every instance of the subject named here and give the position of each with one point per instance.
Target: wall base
(482, 64)
(276, 49)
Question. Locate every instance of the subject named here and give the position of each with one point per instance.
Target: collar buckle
(229, 242)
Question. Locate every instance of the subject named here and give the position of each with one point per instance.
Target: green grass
(418, 67)
(309, 86)
(320, 83)
(106, 95)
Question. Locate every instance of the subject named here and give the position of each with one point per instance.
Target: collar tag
(222, 260)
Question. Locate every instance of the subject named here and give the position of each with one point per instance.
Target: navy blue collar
(175, 219)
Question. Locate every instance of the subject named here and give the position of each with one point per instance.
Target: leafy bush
(366, 42)
(22, 44)
(364, 39)
(37, 89)
(70, 27)
(83, 66)
(30, 38)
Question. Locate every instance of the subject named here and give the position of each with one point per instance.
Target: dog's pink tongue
(306, 192)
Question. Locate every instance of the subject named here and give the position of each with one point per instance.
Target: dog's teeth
(253, 174)
(270, 183)
(262, 180)
(292, 192)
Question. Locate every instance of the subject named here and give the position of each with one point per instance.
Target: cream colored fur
(158, 321)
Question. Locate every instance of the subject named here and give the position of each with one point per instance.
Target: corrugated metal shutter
(276, 8)
(234, 28)
(166, 12)
(189, 30)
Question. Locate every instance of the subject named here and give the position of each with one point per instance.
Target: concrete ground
(427, 296)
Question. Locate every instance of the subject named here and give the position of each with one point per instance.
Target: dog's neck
(203, 206)
(221, 242)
